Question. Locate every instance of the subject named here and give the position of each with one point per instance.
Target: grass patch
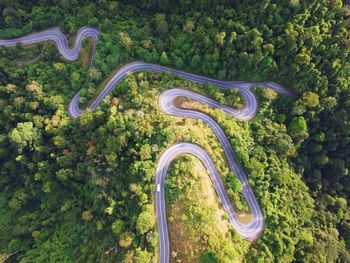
(196, 218)
(85, 53)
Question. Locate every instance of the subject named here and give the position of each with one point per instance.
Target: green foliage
(143, 256)
(209, 257)
(161, 24)
(234, 183)
(311, 99)
(126, 239)
(146, 220)
(298, 125)
(24, 135)
(57, 172)
(117, 226)
(319, 137)
(269, 93)
(220, 37)
(125, 40)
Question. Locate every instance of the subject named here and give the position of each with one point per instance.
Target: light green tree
(126, 40)
(24, 135)
(143, 256)
(146, 220)
(220, 37)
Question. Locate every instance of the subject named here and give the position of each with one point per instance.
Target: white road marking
(249, 231)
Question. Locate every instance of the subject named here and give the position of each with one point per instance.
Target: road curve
(55, 34)
(247, 113)
(249, 231)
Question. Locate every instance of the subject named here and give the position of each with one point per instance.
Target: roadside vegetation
(83, 190)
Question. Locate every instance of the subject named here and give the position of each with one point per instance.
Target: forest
(83, 190)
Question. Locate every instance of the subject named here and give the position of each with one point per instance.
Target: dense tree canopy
(83, 190)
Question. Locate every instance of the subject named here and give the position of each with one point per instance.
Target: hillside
(83, 189)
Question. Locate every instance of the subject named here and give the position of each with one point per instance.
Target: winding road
(249, 231)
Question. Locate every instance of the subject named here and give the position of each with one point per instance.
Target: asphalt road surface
(55, 34)
(249, 231)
